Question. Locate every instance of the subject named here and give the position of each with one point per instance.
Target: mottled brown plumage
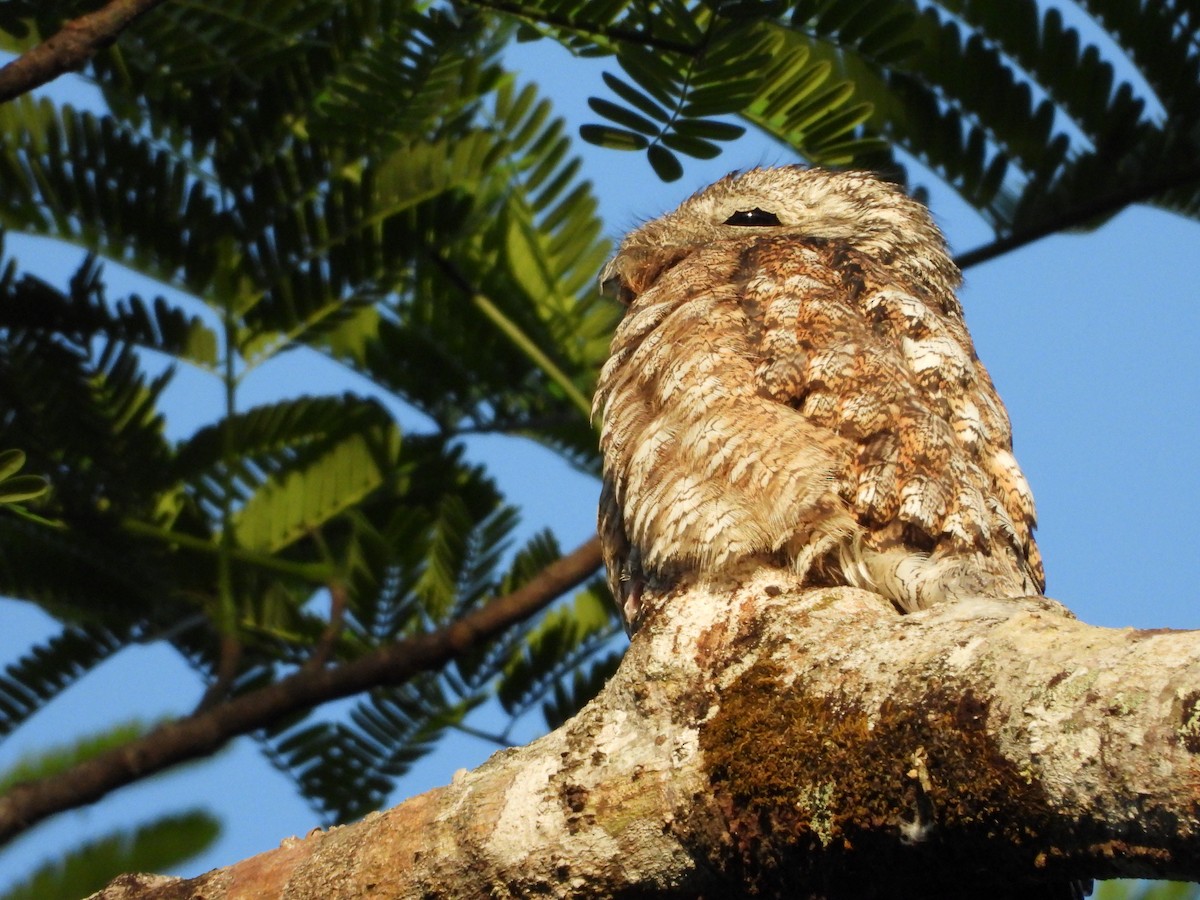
(793, 381)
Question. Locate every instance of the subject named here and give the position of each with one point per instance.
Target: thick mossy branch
(816, 789)
(764, 739)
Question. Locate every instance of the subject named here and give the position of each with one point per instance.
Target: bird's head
(870, 215)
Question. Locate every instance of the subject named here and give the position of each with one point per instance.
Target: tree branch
(1081, 214)
(764, 738)
(204, 732)
(70, 48)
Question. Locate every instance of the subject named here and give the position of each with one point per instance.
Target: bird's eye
(755, 218)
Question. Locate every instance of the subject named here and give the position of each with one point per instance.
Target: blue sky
(1092, 340)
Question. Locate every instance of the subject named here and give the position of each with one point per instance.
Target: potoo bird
(793, 382)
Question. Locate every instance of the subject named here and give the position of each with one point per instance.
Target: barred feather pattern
(793, 381)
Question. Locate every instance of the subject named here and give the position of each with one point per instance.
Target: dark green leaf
(622, 116)
(709, 129)
(613, 138)
(695, 147)
(22, 487)
(158, 845)
(632, 95)
(666, 164)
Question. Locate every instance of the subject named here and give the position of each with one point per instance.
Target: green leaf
(613, 138)
(301, 498)
(571, 693)
(630, 94)
(694, 147)
(525, 262)
(423, 69)
(94, 181)
(1146, 890)
(653, 72)
(11, 462)
(159, 845)
(22, 487)
(564, 638)
(709, 129)
(835, 125)
(813, 112)
(534, 352)
(449, 547)
(45, 670)
(622, 116)
(346, 769)
(51, 761)
(666, 164)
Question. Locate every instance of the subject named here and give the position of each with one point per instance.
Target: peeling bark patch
(1057, 679)
(575, 797)
(1189, 726)
(717, 648)
(817, 795)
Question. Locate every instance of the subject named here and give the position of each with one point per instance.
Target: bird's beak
(613, 283)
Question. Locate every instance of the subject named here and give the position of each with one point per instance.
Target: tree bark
(763, 738)
(71, 47)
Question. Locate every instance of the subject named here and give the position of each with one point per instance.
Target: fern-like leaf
(565, 637)
(47, 670)
(161, 844)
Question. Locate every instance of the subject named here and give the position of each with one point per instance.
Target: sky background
(1092, 340)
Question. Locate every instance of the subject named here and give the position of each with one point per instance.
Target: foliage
(1155, 890)
(547, 668)
(367, 184)
(154, 846)
(441, 250)
(15, 488)
(54, 760)
(1037, 126)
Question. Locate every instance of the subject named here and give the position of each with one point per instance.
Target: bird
(792, 382)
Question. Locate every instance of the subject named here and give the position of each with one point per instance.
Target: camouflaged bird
(793, 382)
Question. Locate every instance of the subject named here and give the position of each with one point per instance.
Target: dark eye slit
(755, 218)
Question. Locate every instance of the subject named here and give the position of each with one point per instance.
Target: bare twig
(69, 49)
(204, 732)
(333, 628)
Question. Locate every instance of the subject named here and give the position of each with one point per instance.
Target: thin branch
(70, 48)
(200, 734)
(315, 573)
(333, 628)
(1079, 215)
(513, 332)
